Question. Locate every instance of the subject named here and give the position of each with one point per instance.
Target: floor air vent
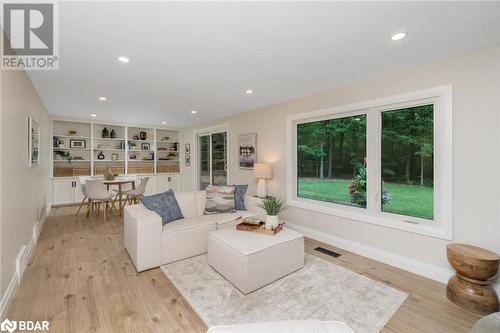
(326, 251)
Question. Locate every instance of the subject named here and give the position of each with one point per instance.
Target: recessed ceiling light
(123, 59)
(193, 111)
(93, 115)
(398, 36)
(164, 122)
(102, 98)
(249, 91)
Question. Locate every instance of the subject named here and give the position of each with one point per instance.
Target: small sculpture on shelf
(135, 137)
(114, 156)
(143, 135)
(105, 133)
(100, 156)
(113, 134)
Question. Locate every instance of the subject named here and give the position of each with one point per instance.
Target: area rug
(321, 290)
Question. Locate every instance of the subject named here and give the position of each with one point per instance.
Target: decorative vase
(100, 156)
(113, 134)
(105, 133)
(143, 135)
(114, 156)
(108, 175)
(272, 222)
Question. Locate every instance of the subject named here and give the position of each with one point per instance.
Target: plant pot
(272, 222)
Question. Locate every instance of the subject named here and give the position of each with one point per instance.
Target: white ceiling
(203, 56)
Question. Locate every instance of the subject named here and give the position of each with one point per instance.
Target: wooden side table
(470, 288)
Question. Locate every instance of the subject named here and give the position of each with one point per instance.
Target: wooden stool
(470, 288)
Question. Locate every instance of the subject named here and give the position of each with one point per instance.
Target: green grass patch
(411, 200)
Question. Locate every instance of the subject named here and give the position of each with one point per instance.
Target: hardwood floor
(81, 279)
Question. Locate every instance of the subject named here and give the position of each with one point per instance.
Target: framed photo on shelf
(145, 146)
(187, 159)
(187, 149)
(247, 154)
(74, 143)
(33, 142)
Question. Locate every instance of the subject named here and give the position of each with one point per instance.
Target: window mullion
(373, 148)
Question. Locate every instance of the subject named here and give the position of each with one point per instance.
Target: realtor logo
(24, 325)
(30, 31)
(8, 326)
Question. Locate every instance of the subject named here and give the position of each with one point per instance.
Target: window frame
(441, 226)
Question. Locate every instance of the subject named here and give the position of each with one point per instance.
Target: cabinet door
(161, 184)
(174, 183)
(78, 192)
(63, 191)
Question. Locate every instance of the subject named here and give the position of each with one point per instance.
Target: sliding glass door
(212, 159)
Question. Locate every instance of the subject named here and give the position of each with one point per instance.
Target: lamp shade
(263, 171)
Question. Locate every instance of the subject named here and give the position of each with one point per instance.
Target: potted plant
(273, 206)
(65, 155)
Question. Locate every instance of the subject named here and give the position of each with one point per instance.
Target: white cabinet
(174, 183)
(66, 191)
(168, 182)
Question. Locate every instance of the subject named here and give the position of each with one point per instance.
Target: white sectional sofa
(151, 244)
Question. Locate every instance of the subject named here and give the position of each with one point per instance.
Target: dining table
(120, 181)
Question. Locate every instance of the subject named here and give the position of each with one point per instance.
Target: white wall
(23, 189)
(476, 154)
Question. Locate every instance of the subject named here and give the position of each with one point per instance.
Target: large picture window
(330, 155)
(386, 162)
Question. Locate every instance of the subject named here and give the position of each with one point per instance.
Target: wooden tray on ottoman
(257, 228)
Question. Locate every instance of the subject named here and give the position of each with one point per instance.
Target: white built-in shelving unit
(83, 149)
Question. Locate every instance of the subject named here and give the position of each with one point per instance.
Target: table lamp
(262, 171)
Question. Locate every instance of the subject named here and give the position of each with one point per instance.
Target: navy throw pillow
(165, 205)
(239, 196)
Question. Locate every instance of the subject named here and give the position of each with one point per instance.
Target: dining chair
(82, 180)
(134, 195)
(97, 193)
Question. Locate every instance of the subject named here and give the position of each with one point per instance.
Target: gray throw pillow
(165, 205)
(239, 196)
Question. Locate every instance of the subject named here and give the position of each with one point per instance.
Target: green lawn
(412, 200)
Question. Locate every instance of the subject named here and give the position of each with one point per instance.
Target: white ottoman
(250, 261)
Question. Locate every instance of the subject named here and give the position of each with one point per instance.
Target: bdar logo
(8, 326)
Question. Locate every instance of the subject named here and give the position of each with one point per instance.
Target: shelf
(140, 160)
(145, 141)
(110, 139)
(97, 160)
(168, 160)
(57, 148)
(140, 150)
(72, 136)
(72, 161)
(108, 149)
(170, 142)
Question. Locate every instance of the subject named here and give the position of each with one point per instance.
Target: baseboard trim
(7, 297)
(22, 260)
(408, 264)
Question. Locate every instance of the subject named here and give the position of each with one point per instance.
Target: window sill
(382, 220)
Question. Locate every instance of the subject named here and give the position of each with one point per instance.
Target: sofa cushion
(186, 224)
(201, 198)
(239, 196)
(165, 205)
(187, 203)
(228, 217)
(220, 199)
